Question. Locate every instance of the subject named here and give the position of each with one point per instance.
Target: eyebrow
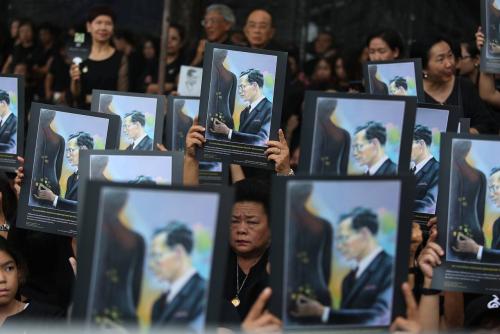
(7, 263)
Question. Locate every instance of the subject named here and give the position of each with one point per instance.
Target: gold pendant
(235, 301)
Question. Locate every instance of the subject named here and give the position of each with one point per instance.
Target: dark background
(295, 20)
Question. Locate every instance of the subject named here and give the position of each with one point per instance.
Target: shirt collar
(373, 169)
(177, 286)
(3, 119)
(255, 103)
(138, 140)
(364, 263)
(421, 164)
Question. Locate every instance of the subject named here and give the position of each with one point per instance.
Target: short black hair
(422, 47)
(178, 233)
(83, 139)
(143, 179)
(99, 10)
(253, 190)
(421, 132)
(391, 37)
(137, 116)
(495, 170)
(399, 82)
(264, 10)
(4, 96)
(471, 48)
(180, 29)
(26, 22)
(254, 76)
(374, 130)
(126, 36)
(362, 217)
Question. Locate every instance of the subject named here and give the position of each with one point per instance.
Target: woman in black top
(173, 61)
(442, 86)
(14, 311)
(106, 68)
(385, 44)
(150, 69)
(24, 51)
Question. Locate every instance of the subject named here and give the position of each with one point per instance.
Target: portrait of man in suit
(8, 125)
(76, 142)
(366, 289)
(255, 119)
(467, 245)
(184, 301)
(133, 127)
(369, 149)
(398, 86)
(377, 87)
(426, 170)
(331, 149)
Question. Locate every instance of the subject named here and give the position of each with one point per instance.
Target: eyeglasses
(494, 188)
(207, 22)
(243, 86)
(261, 26)
(342, 238)
(72, 150)
(359, 147)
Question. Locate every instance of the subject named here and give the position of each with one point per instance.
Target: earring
(476, 65)
(426, 75)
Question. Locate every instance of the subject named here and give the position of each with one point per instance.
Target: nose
(3, 277)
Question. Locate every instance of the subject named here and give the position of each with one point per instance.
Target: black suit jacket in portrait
(146, 144)
(366, 299)
(70, 200)
(427, 187)
(186, 306)
(388, 168)
(255, 125)
(492, 255)
(8, 133)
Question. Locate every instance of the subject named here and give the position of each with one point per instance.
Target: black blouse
(465, 96)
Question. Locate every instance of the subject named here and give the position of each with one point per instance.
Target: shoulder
(40, 311)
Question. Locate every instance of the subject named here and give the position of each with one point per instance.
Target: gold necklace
(236, 300)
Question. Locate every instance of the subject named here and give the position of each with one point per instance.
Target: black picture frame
(417, 71)
(8, 160)
(423, 215)
(463, 125)
(222, 149)
(490, 63)
(90, 230)
(282, 226)
(130, 158)
(38, 215)
(159, 112)
(309, 131)
(208, 176)
(461, 271)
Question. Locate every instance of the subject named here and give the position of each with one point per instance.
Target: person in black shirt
(150, 66)
(124, 42)
(442, 86)
(24, 51)
(106, 68)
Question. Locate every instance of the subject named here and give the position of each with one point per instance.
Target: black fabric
(258, 280)
(36, 313)
(60, 71)
(8, 134)
(69, 202)
(146, 144)
(254, 126)
(387, 168)
(21, 54)
(492, 255)
(427, 187)
(465, 95)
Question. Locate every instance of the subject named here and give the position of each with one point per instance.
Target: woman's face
(466, 64)
(174, 41)
(14, 29)
(322, 71)
(441, 64)
(340, 69)
(9, 278)
(101, 28)
(379, 50)
(148, 50)
(26, 33)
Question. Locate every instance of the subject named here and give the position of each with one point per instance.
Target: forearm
(191, 171)
(75, 88)
(453, 311)
(487, 90)
(236, 173)
(428, 310)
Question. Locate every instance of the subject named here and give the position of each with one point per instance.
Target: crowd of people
(37, 270)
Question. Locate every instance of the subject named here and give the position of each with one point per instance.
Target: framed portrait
(141, 115)
(490, 21)
(140, 167)
(356, 134)
(343, 258)
(148, 269)
(49, 196)
(431, 120)
(11, 121)
(395, 77)
(240, 106)
(190, 81)
(469, 214)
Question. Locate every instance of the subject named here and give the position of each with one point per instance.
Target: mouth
(4, 292)
(242, 242)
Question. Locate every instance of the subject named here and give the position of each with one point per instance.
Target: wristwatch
(290, 173)
(4, 227)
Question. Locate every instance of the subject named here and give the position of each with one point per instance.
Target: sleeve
(490, 255)
(66, 204)
(253, 139)
(11, 143)
(430, 198)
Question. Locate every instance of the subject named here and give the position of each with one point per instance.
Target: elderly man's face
(73, 152)
(350, 242)
(394, 90)
(494, 188)
(131, 129)
(165, 262)
(364, 150)
(417, 149)
(4, 108)
(259, 29)
(247, 90)
(215, 26)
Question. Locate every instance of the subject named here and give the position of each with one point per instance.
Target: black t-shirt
(465, 96)
(60, 70)
(37, 314)
(23, 54)
(258, 280)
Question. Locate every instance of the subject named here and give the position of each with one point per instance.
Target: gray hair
(225, 11)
